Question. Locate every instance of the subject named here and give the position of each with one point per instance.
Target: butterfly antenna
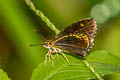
(35, 45)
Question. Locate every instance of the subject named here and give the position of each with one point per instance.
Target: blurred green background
(20, 27)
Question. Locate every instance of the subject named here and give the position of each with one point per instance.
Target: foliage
(103, 62)
(19, 27)
(3, 75)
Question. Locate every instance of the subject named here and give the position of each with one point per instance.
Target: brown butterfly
(77, 38)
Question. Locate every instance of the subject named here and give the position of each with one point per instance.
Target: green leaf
(103, 62)
(3, 75)
(103, 57)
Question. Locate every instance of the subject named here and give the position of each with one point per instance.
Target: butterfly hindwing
(74, 44)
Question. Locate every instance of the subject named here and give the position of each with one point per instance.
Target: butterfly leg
(57, 54)
(52, 60)
(46, 58)
(65, 57)
(48, 55)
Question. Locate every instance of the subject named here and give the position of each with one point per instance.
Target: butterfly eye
(46, 44)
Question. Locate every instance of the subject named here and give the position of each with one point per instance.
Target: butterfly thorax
(49, 44)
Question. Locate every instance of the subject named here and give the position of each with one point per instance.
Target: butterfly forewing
(78, 37)
(78, 26)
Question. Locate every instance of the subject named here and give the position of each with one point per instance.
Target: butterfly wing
(74, 44)
(78, 37)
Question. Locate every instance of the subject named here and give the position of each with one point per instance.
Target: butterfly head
(47, 44)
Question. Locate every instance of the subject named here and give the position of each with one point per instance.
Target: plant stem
(42, 16)
(51, 25)
(92, 70)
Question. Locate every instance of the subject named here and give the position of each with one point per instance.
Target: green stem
(92, 70)
(51, 25)
(42, 16)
